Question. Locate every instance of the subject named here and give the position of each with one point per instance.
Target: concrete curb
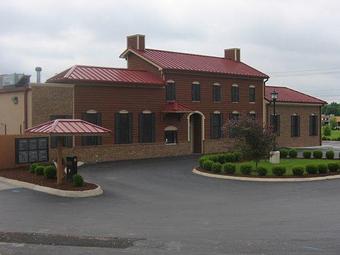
(57, 192)
(256, 179)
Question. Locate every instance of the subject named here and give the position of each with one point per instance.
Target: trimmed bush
(292, 153)
(228, 168)
(284, 153)
(201, 161)
(39, 170)
(327, 131)
(237, 156)
(207, 164)
(333, 167)
(77, 180)
(220, 158)
(317, 154)
(323, 169)
(33, 167)
(213, 158)
(298, 171)
(307, 154)
(229, 157)
(246, 169)
(50, 172)
(216, 167)
(279, 170)
(261, 171)
(311, 169)
(330, 154)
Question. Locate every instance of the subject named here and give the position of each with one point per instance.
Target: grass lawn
(288, 163)
(334, 134)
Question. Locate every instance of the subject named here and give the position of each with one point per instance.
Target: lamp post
(274, 95)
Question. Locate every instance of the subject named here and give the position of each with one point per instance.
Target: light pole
(274, 98)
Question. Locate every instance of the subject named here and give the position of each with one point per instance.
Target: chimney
(233, 54)
(136, 42)
(38, 70)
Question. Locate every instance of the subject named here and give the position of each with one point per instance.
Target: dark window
(295, 126)
(252, 94)
(30, 150)
(216, 125)
(170, 91)
(235, 94)
(94, 118)
(275, 123)
(147, 128)
(233, 117)
(170, 137)
(216, 93)
(67, 141)
(195, 92)
(123, 128)
(313, 125)
(252, 116)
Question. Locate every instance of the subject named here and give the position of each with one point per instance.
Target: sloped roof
(287, 95)
(175, 107)
(68, 127)
(199, 63)
(81, 73)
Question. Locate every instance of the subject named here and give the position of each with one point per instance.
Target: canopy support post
(60, 170)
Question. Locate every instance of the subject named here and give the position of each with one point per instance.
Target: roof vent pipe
(38, 70)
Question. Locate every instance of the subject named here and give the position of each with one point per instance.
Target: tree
(327, 131)
(332, 108)
(254, 141)
(333, 123)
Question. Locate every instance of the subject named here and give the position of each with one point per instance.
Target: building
(163, 104)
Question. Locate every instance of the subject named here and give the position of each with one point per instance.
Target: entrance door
(196, 133)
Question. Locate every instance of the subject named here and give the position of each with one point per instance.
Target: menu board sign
(31, 150)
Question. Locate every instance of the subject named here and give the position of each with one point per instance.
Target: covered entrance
(196, 131)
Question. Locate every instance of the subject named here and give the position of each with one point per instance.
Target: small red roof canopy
(175, 107)
(287, 95)
(81, 73)
(64, 127)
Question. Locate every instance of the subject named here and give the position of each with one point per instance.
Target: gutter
(26, 108)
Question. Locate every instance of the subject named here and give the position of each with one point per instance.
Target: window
(313, 125)
(295, 125)
(216, 92)
(170, 91)
(170, 135)
(67, 140)
(275, 123)
(252, 94)
(252, 115)
(147, 128)
(123, 127)
(94, 118)
(235, 93)
(216, 125)
(233, 117)
(195, 91)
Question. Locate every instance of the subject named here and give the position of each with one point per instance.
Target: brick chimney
(233, 54)
(136, 42)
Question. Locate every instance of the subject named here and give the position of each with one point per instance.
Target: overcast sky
(297, 43)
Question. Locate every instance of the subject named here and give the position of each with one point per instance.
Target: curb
(57, 192)
(255, 179)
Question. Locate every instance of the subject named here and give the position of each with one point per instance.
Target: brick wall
(304, 111)
(136, 63)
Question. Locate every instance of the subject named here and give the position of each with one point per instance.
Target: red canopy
(65, 127)
(175, 107)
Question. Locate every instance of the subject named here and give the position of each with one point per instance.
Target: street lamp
(274, 95)
(274, 98)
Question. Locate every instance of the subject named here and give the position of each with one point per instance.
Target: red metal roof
(193, 62)
(68, 127)
(288, 95)
(175, 107)
(80, 73)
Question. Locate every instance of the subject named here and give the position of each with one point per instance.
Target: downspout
(25, 108)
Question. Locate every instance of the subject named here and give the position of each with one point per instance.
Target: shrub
(246, 169)
(77, 180)
(307, 154)
(207, 164)
(317, 154)
(311, 169)
(216, 167)
(284, 153)
(327, 131)
(292, 153)
(201, 161)
(220, 158)
(33, 167)
(229, 157)
(333, 167)
(330, 154)
(262, 171)
(278, 170)
(324, 138)
(237, 156)
(213, 158)
(229, 168)
(39, 170)
(337, 139)
(50, 172)
(323, 169)
(298, 171)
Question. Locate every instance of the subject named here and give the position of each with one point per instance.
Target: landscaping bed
(24, 175)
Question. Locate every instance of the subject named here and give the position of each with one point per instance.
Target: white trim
(252, 86)
(235, 112)
(91, 111)
(252, 112)
(216, 84)
(170, 81)
(123, 112)
(147, 60)
(217, 112)
(196, 82)
(171, 128)
(146, 112)
(202, 127)
(234, 85)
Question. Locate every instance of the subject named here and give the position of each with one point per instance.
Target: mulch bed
(22, 174)
(271, 176)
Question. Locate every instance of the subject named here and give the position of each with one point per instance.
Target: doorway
(196, 133)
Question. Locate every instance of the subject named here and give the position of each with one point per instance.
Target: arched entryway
(196, 131)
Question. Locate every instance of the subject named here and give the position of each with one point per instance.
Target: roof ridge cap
(187, 53)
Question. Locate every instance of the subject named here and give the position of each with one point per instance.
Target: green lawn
(288, 163)
(334, 134)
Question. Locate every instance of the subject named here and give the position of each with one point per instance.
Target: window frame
(92, 140)
(235, 93)
(143, 138)
(170, 90)
(295, 124)
(252, 96)
(118, 130)
(216, 128)
(195, 91)
(216, 97)
(313, 129)
(174, 131)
